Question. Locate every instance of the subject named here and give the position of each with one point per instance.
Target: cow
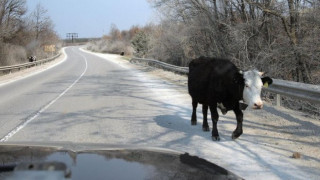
(32, 58)
(218, 83)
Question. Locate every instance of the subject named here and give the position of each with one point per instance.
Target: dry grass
(104, 46)
(12, 54)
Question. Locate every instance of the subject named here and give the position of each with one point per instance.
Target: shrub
(12, 54)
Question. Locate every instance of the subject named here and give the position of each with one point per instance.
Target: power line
(72, 36)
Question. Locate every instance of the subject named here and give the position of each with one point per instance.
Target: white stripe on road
(18, 128)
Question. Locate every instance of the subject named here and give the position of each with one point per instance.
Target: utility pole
(72, 36)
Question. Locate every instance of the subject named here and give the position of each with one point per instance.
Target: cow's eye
(247, 85)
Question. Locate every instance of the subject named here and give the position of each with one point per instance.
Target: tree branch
(275, 13)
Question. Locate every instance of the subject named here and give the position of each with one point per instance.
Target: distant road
(103, 99)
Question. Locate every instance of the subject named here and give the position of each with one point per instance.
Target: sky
(93, 18)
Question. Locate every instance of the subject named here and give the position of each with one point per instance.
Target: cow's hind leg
(214, 117)
(238, 131)
(205, 126)
(194, 112)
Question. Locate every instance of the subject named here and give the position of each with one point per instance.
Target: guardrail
(156, 63)
(27, 65)
(301, 91)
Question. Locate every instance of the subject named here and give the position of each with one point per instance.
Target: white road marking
(18, 128)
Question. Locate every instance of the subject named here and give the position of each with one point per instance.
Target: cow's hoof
(205, 128)
(215, 138)
(193, 123)
(235, 136)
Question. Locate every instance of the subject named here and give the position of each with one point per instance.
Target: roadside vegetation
(130, 42)
(281, 38)
(24, 32)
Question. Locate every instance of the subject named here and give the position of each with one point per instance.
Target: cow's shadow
(175, 123)
(246, 144)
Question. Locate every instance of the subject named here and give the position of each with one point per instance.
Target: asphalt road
(85, 99)
(23, 99)
(92, 99)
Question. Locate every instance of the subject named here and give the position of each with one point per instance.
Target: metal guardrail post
(302, 91)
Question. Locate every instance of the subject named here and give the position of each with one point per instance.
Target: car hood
(66, 160)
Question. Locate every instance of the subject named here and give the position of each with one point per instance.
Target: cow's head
(253, 83)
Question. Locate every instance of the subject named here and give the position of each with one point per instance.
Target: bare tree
(11, 23)
(115, 33)
(272, 35)
(41, 22)
(11, 12)
(291, 23)
(20, 35)
(42, 30)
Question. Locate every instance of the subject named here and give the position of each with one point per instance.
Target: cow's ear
(266, 81)
(261, 73)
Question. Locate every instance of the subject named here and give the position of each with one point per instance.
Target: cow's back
(211, 79)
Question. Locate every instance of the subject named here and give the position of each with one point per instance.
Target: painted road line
(22, 125)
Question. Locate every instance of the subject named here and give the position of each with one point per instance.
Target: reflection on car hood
(100, 161)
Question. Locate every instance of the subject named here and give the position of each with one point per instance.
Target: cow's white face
(252, 89)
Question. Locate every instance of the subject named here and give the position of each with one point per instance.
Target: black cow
(32, 58)
(216, 83)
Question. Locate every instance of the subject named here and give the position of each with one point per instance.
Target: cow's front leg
(214, 117)
(194, 112)
(205, 126)
(238, 131)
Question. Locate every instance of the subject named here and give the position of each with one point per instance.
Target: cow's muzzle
(258, 106)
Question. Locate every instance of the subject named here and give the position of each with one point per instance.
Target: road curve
(91, 99)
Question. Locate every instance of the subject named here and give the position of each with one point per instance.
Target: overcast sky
(92, 18)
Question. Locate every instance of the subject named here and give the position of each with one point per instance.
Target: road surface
(103, 99)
